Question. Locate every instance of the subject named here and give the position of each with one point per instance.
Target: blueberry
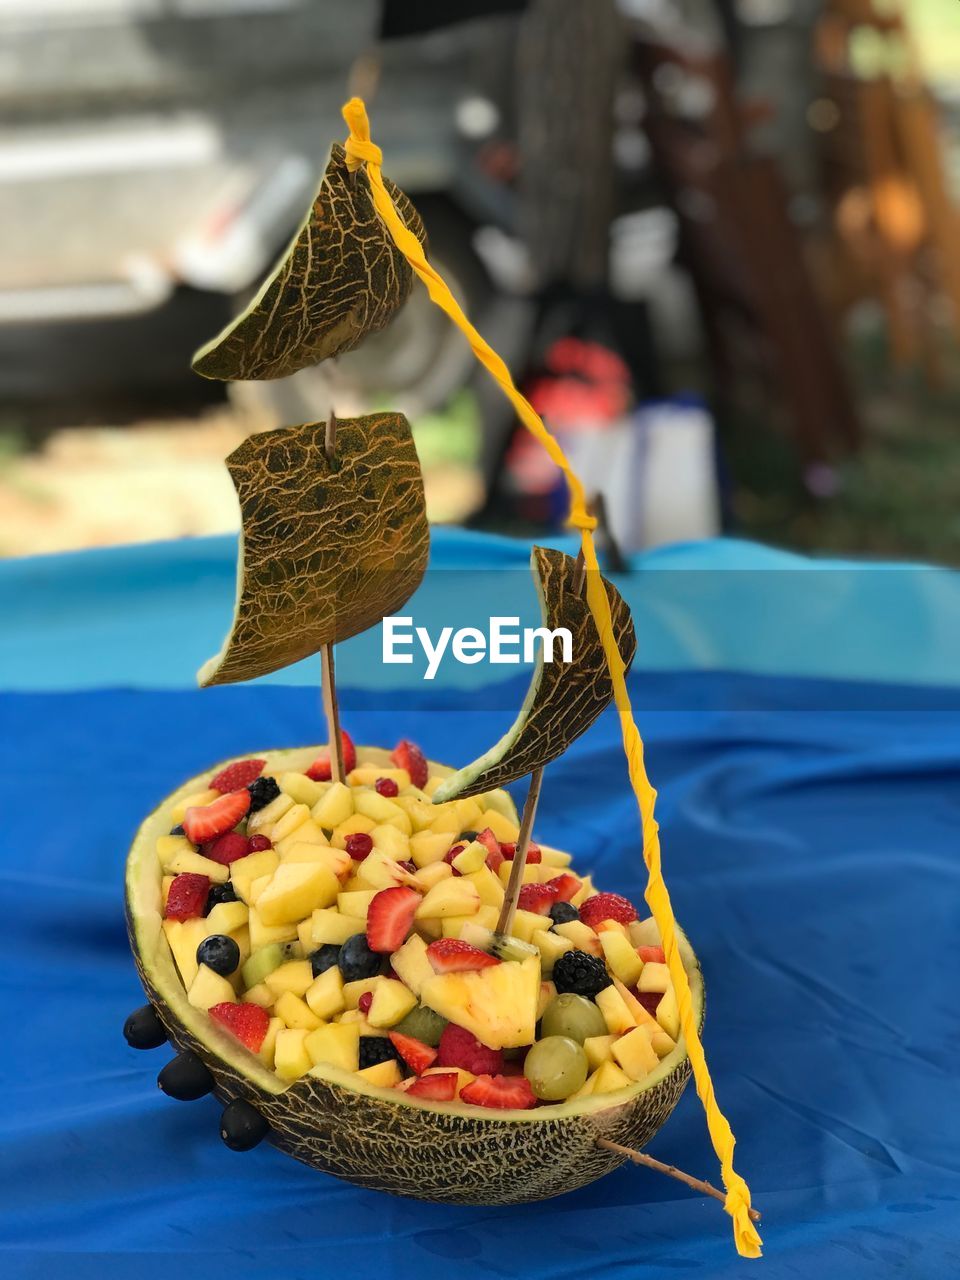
(262, 791)
(563, 913)
(581, 973)
(220, 893)
(324, 958)
(178, 830)
(374, 1049)
(219, 953)
(466, 835)
(356, 960)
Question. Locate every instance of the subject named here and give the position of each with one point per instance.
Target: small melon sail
(341, 278)
(328, 545)
(563, 699)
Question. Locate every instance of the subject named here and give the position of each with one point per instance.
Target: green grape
(574, 1016)
(423, 1024)
(555, 1067)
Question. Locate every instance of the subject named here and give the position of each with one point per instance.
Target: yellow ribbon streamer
(360, 150)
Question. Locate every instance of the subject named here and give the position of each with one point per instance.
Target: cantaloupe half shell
(380, 1138)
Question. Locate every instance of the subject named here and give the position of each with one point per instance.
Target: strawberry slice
(451, 955)
(187, 897)
(607, 906)
(417, 1055)
(492, 846)
(461, 1048)
(238, 775)
(248, 1022)
(566, 885)
(407, 755)
(321, 770)
(506, 1093)
(227, 849)
(538, 898)
(203, 823)
(509, 848)
(441, 1087)
(652, 955)
(390, 918)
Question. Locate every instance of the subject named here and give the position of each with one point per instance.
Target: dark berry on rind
(563, 913)
(178, 830)
(324, 958)
(218, 894)
(356, 960)
(219, 952)
(375, 1049)
(185, 1078)
(143, 1029)
(242, 1127)
(262, 791)
(581, 973)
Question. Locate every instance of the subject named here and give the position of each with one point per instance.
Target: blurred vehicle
(157, 155)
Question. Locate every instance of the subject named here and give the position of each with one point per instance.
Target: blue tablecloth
(810, 842)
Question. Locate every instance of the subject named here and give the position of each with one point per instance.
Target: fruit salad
(353, 925)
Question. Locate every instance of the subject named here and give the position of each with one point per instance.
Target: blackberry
(323, 958)
(374, 1049)
(583, 974)
(220, 893)
(262, 791)
(563, 913)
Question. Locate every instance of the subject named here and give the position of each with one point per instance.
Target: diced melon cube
(261, 935)
(183, 937)
(244, 871)
(392, 1001)
(338, 1044)
(269, 1046)
(585, 891)
(668, 1015)
(294, 975)
(449, 898)
(195, 864)
(551, 947)
(468, 813)
(352, 991)
(531, 873)
(367, 775)
(548, 992)
(262, 822)
(615, 1012)
(301, 789)
(655, 977)
(429, 929)
(410, 963)
(502, 827)
(169, 846)
(290, 1056)
(635, 1054)
(453, 926)
(585, 1090)
(209, 988)
(527, 923)
(385, 1075)
(598, 1050)
(297, 889)
(356, 905)
(488, 886)
(199, 799)
(472, 857)
(391, 841)
(620, 956)
(644, 933)
(227, 917)
(610, 1078)
(334, 807)
(445, 821)
(295, 817)
(421, 812)
(553, 858)
(307, 833)
(373, 805)
(581, 935)
(242, 938)
(327, 927)
(261, 995)
(427, 877)
(325, 994)
(257, 887)
(295, 1012)
(380, 872)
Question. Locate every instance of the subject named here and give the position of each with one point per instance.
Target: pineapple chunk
(502, 827)
(198, 865)
(226, 917)
(615, 1012)
(291, 1059)
(294, 975)
(581, 935)
(334, 807)
(551, 948)
(208, 988)
(661, 1041)
(262, 822)
(391, 841)
(306, 834)
(244, 871)
(352, 991)
(199, 800)
(585, 891)
(337, 1044)
(328, 926)
(242, 938)
(548, 992)
(655, 977)
(324, 996)
(468, 814)
(449, 898)
(257, 887)
(169, 846)
(554, 858)
(380, 872)
(296, 890)
(296, 1012)
(339, 862)
(269, 1046)
(472, 857)
(261, 935)
(598, 1050)
(429, 929)
(183, 937)
(531, 873)
(373, 805)
(608, 1078)
(295, 817)
(668, 1015)
(259, 994)
(635, 1054)
(621, 957)
(488, 886)
(421, 812)
(367, 775)
(427, 877)
(527, 923)
(411, 965)
(354, 825)
(385, 1075)
(428, 847)
(301, 789)
(453, 926)
(356, 905)
(392, 1001)
(585, 1090)
(644, 933)
(498, 1005)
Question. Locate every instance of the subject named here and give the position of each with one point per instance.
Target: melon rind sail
(326, 549)
(341, 278)
(563, 699)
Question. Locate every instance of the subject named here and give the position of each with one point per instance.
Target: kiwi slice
(422, 1024)
(501, 945)
(267, 959)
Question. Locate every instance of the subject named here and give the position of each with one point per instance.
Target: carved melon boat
(376, 1137)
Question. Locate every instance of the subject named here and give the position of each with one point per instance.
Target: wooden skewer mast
(331, 709)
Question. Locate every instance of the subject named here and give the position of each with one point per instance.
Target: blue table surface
(810, 843)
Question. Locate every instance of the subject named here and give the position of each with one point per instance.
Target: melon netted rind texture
(446, 1153)
(341, 278)
(563, 699)
(327, 548)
